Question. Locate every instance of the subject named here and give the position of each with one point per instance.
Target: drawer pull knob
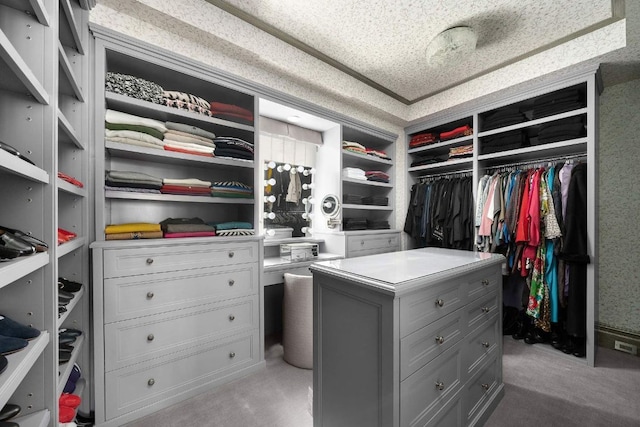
(149, 261)
(231, 254)
(231, 282)
(232, 317)
(485, 387)
(439, 302)
(151, 381)
(485, 309)
(439, 385)
(486, 345)
(440, 339)
(485, 282)
(232, 355)
(150, 337)
(150, 295)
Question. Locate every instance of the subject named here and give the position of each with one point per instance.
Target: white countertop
(395, 271)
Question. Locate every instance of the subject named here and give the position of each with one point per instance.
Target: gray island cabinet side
(411, 338)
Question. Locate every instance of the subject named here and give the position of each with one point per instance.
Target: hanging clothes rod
(537, 162)
(456, 174)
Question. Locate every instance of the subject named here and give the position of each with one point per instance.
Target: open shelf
(69, 33)
(65, 369)
(110, 194)
(19, 365)
(69, 84)
(17, 166)
(448, 143)
(31, 7)
(532, 123)
(367, 207)
(21, 70)
(448, 165)
(36, 419)
(367, 182)
(70, 246)
(68, 133)
(10, 271)
(351, 157)
(555, 149)
(67, 187)
(72, 304)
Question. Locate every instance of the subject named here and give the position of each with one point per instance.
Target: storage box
(298, 251)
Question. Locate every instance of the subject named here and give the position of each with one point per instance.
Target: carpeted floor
(543, 387)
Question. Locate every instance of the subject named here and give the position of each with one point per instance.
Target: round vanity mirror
(330, 206)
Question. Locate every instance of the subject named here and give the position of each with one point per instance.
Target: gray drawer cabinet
(371, 244)
(407, 338)
(173, 320)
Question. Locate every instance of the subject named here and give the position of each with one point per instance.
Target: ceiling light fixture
(450, 44)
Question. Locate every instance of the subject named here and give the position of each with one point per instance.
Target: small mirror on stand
(330, 207)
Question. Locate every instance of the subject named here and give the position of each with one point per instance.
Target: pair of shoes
(74, 376)
(64, 356)
(67, 404)
(9, 411)
(68, 285)
(14, 336)
(537, 336)
(14, 246)
(65, 235)
(69, 332)
(37, 243)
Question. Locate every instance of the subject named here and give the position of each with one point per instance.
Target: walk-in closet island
(407, 338)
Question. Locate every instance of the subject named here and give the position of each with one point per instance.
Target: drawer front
(129, 262)
(480, 388)
(425, 344)
(482, 310)
(372, 244)
(138, 340)
(137, 386)
(428, 389)
(481, 345)
(484, 282)
(451, 415)
(275, 277)
(130, 297)
(421, 308)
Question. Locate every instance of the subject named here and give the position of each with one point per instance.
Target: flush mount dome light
(450, 44)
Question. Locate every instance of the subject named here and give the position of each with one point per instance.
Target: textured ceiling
(383, 42)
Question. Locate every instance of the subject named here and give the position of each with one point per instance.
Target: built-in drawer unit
(371, 244)
(481, 310)
(134, 296)
(483, 283)
(481, 344)
(137, 386)
(480, 388)
(136, 340)
(159, 259)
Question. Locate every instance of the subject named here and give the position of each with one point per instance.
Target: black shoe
(9, 411)
(579, 347)
(537, 336)
(11, 241)
(68, 285)
(524, 325)
(39, 244)
(3, 363)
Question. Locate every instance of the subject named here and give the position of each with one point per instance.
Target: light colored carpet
(543, 387)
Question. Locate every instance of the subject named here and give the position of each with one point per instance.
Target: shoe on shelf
(37, 243)
(65, 235)
(11, 328)
(64, 356)
(65, 347)
(11, 241)
(70, 400)
(66, 414)
(7, 254)
(8, 424)
(10, 345)
(68, 285)
(9, 411)
(66, 339)
(69, 332)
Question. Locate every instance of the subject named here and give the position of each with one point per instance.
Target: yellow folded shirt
(131, 227)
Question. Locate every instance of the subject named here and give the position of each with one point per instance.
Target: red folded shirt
(459, 131)
(70, 179)
(65, 236)
(231, 110)
(187, 151)
(185, 190)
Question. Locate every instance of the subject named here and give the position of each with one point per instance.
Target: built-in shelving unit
(510, 133)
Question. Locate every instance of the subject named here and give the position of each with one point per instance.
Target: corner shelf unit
(39, 120)
(510, 132)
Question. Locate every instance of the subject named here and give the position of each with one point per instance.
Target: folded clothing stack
(354, 224)
(354, 147)
(428, 159)
(228, 146)
(133, 231)
(378, 153)
(186, 101)
(233, 228)
(354, 173)
(352, 199)
(377, 176)
(461, 151)
(230, 111)
(458, 132)
(503, 117)
(188, 139)
(561, 130)
(186, 187)
(70, 179)
(117, 180)
(186, 227)
(134, 130)
(231, 189)
(511, 140)
(378, 224)
(422, 139)
(558, 102)
(65, 236)
(376, 200)
(135, 87)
